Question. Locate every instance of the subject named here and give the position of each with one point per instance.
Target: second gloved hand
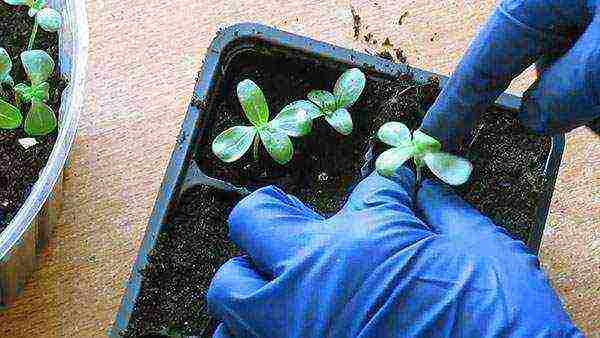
(563, 36)
(376, 269)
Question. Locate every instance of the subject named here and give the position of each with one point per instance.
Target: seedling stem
(32, 36)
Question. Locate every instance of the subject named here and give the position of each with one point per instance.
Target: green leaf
(41, 92)
(253, 102)
(341, 121)
(10, 116)
(19, 2)
(38, 65)
(394, 134)
(22, 90)
(277, 143)
(425, 143)
(37, 93)
(451, 169)
(49, 19)
(323, 99)
(389, 161)
(5, 67)
(35, 6)
(40, 120)
(295, 118)
(233, 143)
(348, 87)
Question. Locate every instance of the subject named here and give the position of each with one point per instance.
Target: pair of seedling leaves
(424, 150)
(47, 18)
(38, 67)
(294, 120)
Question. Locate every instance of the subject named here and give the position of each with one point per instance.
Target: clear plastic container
(28, 232)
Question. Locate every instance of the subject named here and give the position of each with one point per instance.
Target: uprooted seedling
(424, 150)
(334, 106)
(293, 120)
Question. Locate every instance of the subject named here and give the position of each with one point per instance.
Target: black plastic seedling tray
(182, 172)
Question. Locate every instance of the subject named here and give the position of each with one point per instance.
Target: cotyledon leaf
(35, 6)
(341, 121)
(295, 118)
(348, 87)
(40, 120)
(324, 100)
(5, 67)
(233, 143)
(38, 65)
(19, 2)
(10, 116)
(425, 143)
(253, 102)
(389, 161)
(49, 19)
(394, 134)
(277, 143)
(449, 168)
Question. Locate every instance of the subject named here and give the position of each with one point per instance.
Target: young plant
(334, 106)
(41, 119)
(293, 120)
(10, 116)
(5, 68)
(45, 17)
(424, 150)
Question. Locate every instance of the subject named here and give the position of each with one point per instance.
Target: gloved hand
(563, 35)
(376, 269)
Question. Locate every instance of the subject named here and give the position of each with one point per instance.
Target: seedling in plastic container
(46, 18)
(424, 150)
(334, 106)
(293, 120)
(40, 119)
(10, 115)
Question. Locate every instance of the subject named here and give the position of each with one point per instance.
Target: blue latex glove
(375, 269)
(563, 35)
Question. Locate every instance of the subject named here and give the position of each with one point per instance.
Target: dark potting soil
(505, 184)
(19, 168)
(175, 282)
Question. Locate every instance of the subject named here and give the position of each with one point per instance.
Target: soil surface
(19, 168)
(505, 185)
(175, 283)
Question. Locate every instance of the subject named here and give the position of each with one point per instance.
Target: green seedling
(424, 150)
(334, 106)
(293, 120)
(5, 68)
(10, 115)
(40, 119)
(46, 18)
